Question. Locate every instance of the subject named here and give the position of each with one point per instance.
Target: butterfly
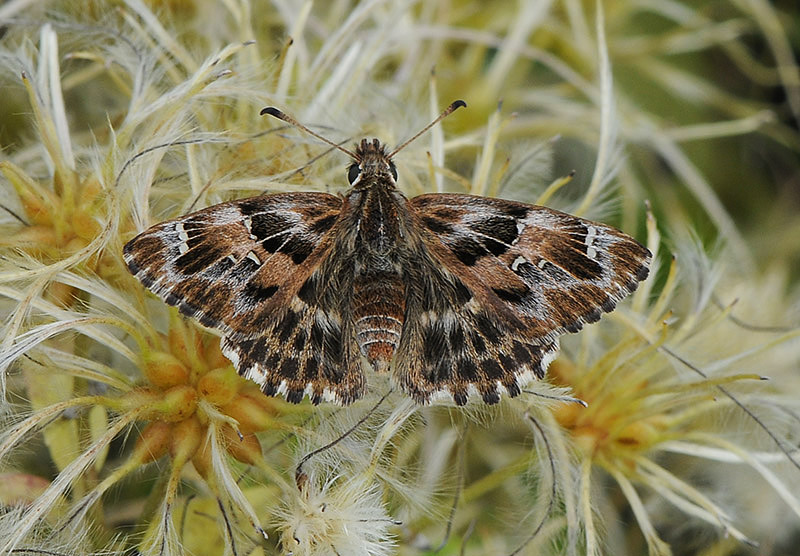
(455, 295)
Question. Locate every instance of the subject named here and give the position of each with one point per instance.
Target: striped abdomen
(378, 310)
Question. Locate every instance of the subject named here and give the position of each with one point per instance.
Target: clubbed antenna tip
(274, 112)
(455, 105)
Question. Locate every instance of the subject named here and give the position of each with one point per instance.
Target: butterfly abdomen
(378, 313)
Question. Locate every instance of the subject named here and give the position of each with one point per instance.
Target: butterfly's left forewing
(231, 264)
(526, 274)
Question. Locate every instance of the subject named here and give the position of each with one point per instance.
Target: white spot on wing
(282, 388)
(591, 234)
(520, 227)
(549, 356)
(183, 237)
(518, 261)
(229, 350)
(248, 223)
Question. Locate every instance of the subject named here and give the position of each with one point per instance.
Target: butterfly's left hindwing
(243, 267)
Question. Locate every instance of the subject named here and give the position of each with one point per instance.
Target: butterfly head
(371, 165)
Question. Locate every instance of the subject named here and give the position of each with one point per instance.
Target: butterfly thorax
(376, 205)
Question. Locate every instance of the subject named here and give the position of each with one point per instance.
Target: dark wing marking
(307, 351)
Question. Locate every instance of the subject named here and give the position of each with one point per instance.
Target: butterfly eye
(353, 173)
(393, 170)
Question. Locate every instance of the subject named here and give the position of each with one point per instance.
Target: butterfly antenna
(272, 111)
(447, 111)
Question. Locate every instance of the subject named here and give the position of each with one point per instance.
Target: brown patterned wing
(515, 277)
(241, 267)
